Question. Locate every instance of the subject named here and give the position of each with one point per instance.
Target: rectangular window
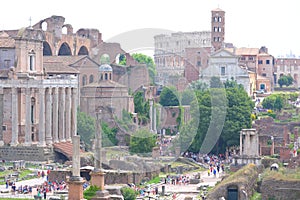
(267, 62)
(223, 71)
(243, 58)
(260, 62)
(4, 127)
(251, 58)
(264, 74)
(6, 63)
(215, 29)
(199, 63)
(31, 62)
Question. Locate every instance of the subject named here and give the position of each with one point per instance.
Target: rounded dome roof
(105, 68)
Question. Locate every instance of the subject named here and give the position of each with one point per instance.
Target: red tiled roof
(66, 148)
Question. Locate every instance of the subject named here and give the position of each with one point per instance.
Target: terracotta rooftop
(66, 60)
(58, 67)
(65, 148)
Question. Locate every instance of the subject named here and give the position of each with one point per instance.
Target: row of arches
(64, 50)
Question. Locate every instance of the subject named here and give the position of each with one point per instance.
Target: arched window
(106, 76)
(91, 79)
(262, 86)
(31, 60)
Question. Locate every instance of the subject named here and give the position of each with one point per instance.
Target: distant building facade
(225, 65)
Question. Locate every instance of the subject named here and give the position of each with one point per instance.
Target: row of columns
(57, 115)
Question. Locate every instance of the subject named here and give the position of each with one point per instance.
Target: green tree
(215, 82)
(187, 97)
(141, 107)
(199, 85)
(273, 102)
(85, 128)
(128, 193)
(122, 60)
(223, 112)
(286, 80)
(144, 59)
(169, 97)
(142, 141)
(109, 135)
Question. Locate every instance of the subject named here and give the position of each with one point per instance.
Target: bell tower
(217, 28)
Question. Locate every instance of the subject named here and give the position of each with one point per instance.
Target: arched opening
(91, 79)
(64, 30)
(83, 51)
(262, 86)
(106, 76)
(121, 59)
(83, 80)
(47, 49)
(64, 50)
(44, 26)
(105, 59)
(232, 192)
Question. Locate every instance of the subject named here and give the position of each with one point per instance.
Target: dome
(105, 68)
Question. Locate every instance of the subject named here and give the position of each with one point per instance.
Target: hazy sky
(251, 23)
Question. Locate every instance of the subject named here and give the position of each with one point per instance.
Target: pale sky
(251, 23)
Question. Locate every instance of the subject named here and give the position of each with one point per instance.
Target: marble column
(14, 116)
(61, 112)
(42, 141)
(55, 115)
(28, 117)
(68, 114)
(151, 115)
(98, 142)
(75, 182)
(74, 111)
(1, 115)
(48, 124)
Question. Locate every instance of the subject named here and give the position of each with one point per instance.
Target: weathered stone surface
(280, 189)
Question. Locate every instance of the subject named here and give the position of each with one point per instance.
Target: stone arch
(91, 78)
(121, 59)
(84, 80)
(44, 25)
(46, 49)
(262, 86)
(83, 51)
(64, 50)
(105, 59)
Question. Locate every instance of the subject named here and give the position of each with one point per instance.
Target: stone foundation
(27, 153)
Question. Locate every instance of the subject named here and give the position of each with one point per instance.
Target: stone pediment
(85, 62)
(222, 53)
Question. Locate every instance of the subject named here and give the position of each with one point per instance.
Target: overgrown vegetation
(90, 192)
(128, 193)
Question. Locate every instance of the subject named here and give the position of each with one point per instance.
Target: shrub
(128, 193)
(90, 192)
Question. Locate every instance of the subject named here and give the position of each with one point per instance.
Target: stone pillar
(154, 119)
(151, 115)
(74, 111)
(1, 116)
(28, 117)
(75, 182)
(55, 115)
(48, 123)
(61, 112)
(68, 114)
(241, 143)
(14, 116)
(247, 141)
(42, 141)
(98, 142)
